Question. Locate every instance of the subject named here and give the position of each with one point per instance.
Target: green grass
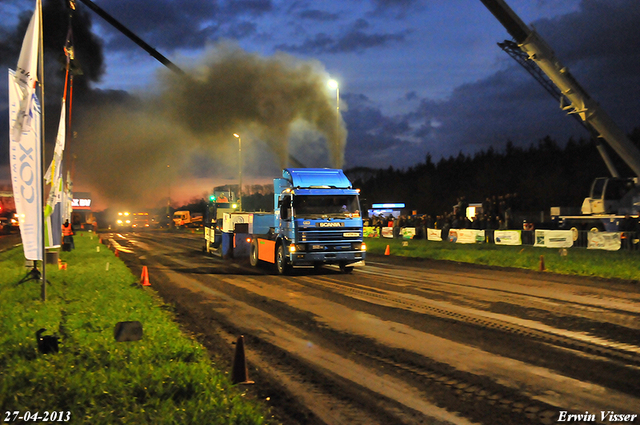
(165, 378)
(578, 261)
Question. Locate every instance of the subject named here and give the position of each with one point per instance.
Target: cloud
(398, 8)
(354, 40)
(249, 7)
(170, 25)
(510, 104)
(376, 140)
(318, 15)
(163, 24)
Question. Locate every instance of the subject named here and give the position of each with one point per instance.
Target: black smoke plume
(127, 147)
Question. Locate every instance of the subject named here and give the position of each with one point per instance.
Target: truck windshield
(317, 206)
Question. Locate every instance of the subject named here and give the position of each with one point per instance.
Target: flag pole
(43, 276)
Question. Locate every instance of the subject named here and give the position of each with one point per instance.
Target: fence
(610, 241)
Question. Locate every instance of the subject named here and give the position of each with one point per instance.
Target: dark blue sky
(416, 76)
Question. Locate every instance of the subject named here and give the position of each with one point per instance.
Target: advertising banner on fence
(609, 241)
(554, 238)
(370, 232)
(387, 232)
(408, 232)
(434, 234)
(466, 236)
(507, 237)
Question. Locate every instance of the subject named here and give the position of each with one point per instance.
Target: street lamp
(169, 197)
(239, 170)
(333, 84)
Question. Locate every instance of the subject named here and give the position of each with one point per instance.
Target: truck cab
(317, 220)
(613, 195)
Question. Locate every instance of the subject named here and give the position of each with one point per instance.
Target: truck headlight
(359, 246)
(297, 248)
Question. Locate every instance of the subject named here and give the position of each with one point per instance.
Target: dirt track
(404, 341)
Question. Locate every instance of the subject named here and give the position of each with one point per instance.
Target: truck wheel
(345, 269)
(281, 261)
(253, 256)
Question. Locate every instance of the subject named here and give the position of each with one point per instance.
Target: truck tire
(253, 255)
(345, 269)
(281, 260)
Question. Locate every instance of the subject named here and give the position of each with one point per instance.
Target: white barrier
(370, 232)
(434, 234)
(609, 241)
(507, 237)
(387, 232)
(466, 236)
(553, 238)
(408, 232)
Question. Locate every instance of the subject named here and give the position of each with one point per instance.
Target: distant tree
(543, 175)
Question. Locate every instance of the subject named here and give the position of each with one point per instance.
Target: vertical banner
(53, 176)
(25, 141)
(26, 171)
(67, 199)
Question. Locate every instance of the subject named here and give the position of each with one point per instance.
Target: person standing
(67, 236)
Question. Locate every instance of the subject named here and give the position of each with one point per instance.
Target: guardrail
(611, 241)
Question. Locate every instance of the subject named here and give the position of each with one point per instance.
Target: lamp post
(169, 196)
(333, 84)
(239, 170)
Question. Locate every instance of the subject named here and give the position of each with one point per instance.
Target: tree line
(542, 175)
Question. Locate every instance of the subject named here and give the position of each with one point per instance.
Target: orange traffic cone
(117, 254)
(542, 268)
(144, 279)
(387, 251)
(240, 373)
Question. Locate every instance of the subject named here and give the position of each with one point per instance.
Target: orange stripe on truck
(267, 250)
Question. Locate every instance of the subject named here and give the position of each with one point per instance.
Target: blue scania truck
(316, 220)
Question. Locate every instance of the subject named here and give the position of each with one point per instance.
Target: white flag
(25, 142)
(26, 74)
(53, 209)
(54, 170)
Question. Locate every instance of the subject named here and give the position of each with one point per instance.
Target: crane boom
(581, 103)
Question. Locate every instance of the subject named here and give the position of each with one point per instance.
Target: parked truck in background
(611, 199)
(316, 220)
(187, 219)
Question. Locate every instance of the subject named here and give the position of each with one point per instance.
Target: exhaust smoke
(126, 146)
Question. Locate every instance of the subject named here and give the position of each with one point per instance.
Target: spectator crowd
(496, 213)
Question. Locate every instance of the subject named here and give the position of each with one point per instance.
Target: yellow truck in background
(187, 219)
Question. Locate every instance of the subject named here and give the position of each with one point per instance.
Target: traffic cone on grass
(387, 251)
(240, 373)
(144, 279)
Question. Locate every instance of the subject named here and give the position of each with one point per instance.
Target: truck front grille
(344, 234)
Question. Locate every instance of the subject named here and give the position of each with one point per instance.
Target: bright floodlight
(333, 84)
(236, 135)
